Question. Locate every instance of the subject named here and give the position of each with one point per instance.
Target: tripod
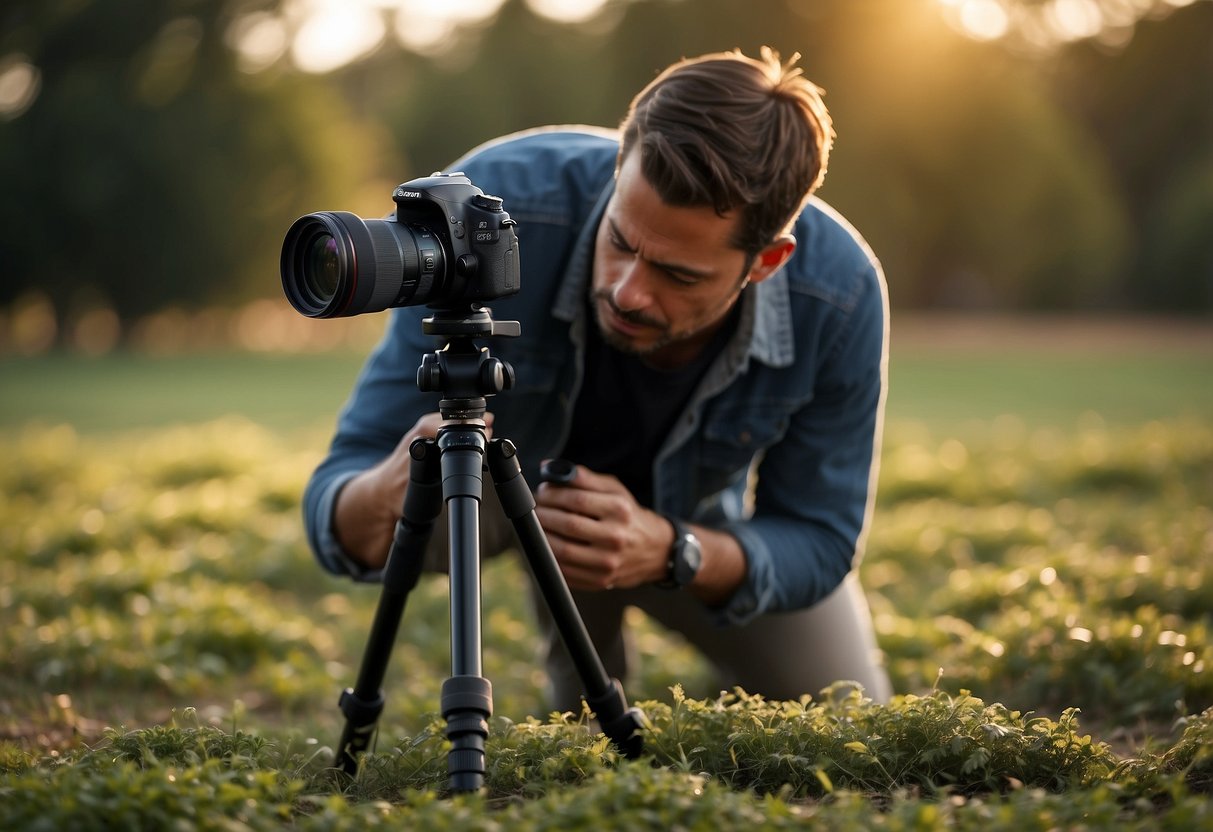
(450, 467)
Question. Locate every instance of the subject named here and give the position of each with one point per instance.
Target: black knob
(487, 202)
(429, 375)
(492, 376)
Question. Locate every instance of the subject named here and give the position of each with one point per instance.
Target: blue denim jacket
(780, 441)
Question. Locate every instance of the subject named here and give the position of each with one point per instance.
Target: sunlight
(567, 11)
(329, 35)
(20, 82)
(1049, 24)
(422, 26)
(983, 19)
(427, 26)
(333, 35)
(1075, 19)
(259, 39)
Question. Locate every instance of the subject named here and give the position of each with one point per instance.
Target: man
(707, 343)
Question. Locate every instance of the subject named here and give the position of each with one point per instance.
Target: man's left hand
(603, 538)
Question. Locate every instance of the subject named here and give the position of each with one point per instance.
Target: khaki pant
(779, 655)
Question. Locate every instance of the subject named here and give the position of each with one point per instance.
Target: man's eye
(679, 278)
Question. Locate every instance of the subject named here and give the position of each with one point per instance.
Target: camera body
(448, 243)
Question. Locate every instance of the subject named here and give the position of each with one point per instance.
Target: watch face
(686, 560)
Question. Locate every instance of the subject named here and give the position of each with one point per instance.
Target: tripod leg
(604, 694)
(467, 697)
(363, 703)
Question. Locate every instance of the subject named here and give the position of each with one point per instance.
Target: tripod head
(464, 373)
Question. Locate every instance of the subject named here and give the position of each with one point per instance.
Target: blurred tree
(1032, 170)
(954, 157)
(1149, 104)
(149, 170)
(971, 180)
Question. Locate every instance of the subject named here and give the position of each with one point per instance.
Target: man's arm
(816, 487)
(369, 504)
(349, 523)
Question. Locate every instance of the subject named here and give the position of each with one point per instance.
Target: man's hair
(733, 132)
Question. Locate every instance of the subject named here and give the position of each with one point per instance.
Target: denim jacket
(780, 441)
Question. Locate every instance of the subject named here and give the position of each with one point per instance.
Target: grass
(1039, 577)
(1050, 378)
(124, 390)
(953, 392)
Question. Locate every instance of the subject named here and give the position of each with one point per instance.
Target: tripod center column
(462, 448)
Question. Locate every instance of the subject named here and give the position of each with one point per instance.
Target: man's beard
(622, 342)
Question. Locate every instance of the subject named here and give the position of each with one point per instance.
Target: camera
(447, 243)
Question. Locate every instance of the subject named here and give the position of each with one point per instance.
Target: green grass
(952, 391)
(1038, 571)
(124, 390)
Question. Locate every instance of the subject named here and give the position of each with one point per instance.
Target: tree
(150, 170)
(1150, 106)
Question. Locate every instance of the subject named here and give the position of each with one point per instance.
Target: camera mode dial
(488, 202)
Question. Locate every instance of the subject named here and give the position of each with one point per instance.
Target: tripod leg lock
(621, 724)
(361, 717)
(361, 712)
(467, 703)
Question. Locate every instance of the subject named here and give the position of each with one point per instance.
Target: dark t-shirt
(626, 408)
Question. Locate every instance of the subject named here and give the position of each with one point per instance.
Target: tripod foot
(361, 715)
(621, 724)
(467, 703)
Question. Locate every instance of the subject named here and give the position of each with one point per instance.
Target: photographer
(707, 343)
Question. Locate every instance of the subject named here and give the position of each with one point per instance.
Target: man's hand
(370, 504)
(601, 536)
(604, 539)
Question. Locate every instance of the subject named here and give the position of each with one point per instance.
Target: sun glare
(1075, 19)
(20, 82)
(982, 19)
(1051, 23)
(325, 35)
(259, 39)
(427, 26)
(334, 35)
(567, 11)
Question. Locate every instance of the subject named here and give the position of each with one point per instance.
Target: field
(1039, 569)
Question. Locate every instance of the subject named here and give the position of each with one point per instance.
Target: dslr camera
(448, 243)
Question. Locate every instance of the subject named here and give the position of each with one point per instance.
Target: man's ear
(772, 257)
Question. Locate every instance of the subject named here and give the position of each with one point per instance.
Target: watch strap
(680, 534)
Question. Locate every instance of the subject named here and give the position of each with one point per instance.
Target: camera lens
(336, 264)
(321, 268)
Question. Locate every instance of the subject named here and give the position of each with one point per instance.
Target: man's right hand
(370, 504)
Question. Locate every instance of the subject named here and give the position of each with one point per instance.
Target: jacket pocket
(733, 437)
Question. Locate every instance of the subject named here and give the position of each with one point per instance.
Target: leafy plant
(1043, 573)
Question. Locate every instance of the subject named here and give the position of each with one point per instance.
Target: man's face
(665, 277)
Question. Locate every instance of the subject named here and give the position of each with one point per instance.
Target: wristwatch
(686, 555)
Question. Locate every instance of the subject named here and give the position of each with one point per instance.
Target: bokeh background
(1009, 155)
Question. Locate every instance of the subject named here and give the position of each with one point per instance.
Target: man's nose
(633, 291)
